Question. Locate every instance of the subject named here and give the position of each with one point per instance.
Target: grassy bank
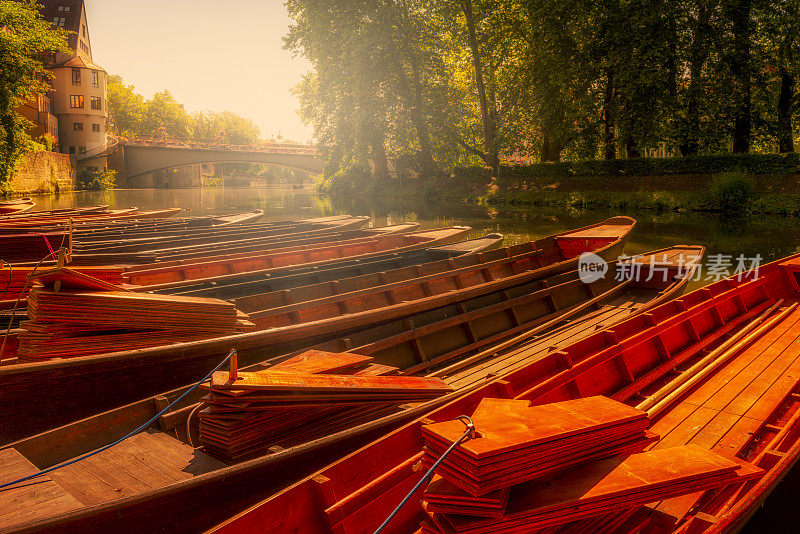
(757, 184)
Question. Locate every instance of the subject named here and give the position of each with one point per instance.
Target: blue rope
(469, 430)
(106, 447)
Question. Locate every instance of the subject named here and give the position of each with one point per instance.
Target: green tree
(125, 108)
(25, 39)
(225, 127)
(165, 115)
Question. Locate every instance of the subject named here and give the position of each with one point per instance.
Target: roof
(78, 62)
(72, 16)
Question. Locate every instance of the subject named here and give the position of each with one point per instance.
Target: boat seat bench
(144, 462)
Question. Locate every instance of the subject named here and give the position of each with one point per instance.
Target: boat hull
(205, 499)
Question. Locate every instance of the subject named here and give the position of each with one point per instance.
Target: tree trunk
(698, 54)
(609, 116)
(487, 115)
(427, 163)
(631, 148)
(740, 68)
(785, 133)
(551, 150)
(410, 90)
(379, 159)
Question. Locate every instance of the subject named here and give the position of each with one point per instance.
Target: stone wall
(43, 172)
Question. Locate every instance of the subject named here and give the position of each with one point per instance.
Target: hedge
(747, 163)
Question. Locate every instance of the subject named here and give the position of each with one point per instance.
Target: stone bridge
(134, 159)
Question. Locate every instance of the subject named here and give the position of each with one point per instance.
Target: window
(95, 127)
(81, 150)
(95, 79)
(59, 21)
(63, 8)
(84, 31)
(85, 48)
(77, 126)
(76, 76)
(72, 150)
(97, 103)
(76, 101)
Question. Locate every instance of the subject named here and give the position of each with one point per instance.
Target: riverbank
(749, 183)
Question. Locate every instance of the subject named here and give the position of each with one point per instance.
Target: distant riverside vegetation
(427, 86)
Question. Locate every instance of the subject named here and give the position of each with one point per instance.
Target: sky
(211, 55)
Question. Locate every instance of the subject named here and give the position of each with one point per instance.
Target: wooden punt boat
(238, 218)
(235, 250)
(17, 206)
(555, 248)
(86, 262)
(227, 266)
(570, 244)
(194, 357)
(62, 211)
(303, 275)
(179, 239)
(258, 240)
(65, 218)
(717, 368)
(33, 220)
(197, 490)
(155, 230)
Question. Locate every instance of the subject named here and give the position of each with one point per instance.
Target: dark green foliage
(24, 38)
(95, 180)
(703, 165)
(732, 192)
(547, 80)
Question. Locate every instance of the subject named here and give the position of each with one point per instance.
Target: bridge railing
(202, 144)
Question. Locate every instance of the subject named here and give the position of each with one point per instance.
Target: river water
(767, 238)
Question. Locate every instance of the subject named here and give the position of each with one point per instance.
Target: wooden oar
(530, 333)
(653, 399)
(675, 389)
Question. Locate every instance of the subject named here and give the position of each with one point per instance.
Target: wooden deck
(32, 500)
(726, 411)
(148, 461)
(570, 331)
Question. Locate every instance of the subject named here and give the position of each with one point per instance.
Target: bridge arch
(133, 160)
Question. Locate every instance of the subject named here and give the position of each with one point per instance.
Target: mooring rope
(470, 430)
(145, 425)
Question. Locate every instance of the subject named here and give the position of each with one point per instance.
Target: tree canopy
(25, 39)
(130, 115)
(430, 84)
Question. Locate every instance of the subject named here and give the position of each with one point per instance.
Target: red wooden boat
(184, 272)
(181, 238)
(302, 275)
(262, 241)
(12, 207)
(32, 220)
(203, 491)
(734, 347)
(176, 274)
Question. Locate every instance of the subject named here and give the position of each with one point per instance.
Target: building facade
(78, 99)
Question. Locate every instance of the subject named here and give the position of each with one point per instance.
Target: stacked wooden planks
(567, 467)
(88, 316)
(14, 279)
(255, 411)
(530, 442)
